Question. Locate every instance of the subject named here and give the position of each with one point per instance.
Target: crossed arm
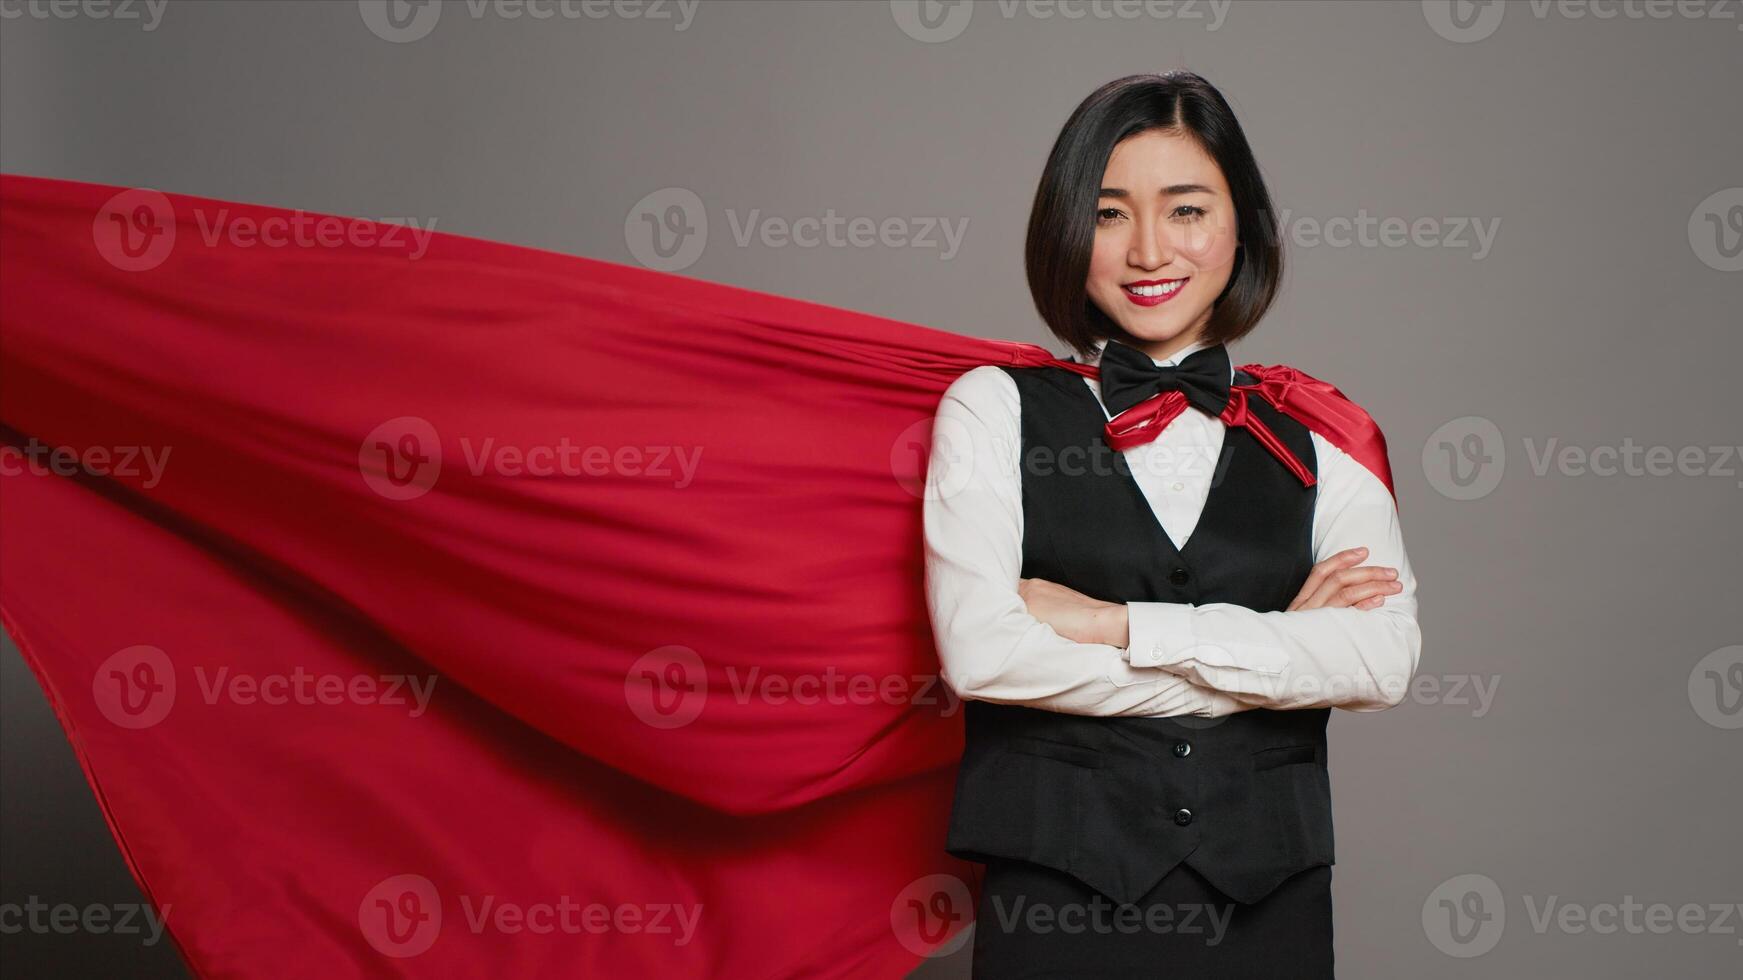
(1349, 640)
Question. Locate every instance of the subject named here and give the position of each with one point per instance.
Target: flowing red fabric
(486, 612)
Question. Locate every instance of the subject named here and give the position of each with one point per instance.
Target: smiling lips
(1153, 292)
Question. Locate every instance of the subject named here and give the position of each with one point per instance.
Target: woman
(656, 671)
(1150, 620)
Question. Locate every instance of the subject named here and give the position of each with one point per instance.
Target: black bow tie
(1129, 376)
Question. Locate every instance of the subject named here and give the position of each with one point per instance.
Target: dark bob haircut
(1062, 223)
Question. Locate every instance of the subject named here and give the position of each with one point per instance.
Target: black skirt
(1036, 922)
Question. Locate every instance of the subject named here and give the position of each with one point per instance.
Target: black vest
(1119, 802)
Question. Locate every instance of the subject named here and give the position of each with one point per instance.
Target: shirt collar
(1094, 357)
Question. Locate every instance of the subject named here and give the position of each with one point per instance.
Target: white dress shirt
(1209, 660)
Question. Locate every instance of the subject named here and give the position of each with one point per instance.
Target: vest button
(1179, 576)
(1182, 816)
(1182, 749)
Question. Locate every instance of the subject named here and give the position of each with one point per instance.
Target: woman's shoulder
(1284, 383)
(986, 384)
(1346, 438)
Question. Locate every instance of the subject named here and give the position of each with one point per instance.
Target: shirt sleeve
(989, 647)
(1356, 659)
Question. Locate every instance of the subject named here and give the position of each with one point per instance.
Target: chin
(1154, 330)
(1154, 333)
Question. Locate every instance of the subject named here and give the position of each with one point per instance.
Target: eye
(1189, 212)
(1105, 215)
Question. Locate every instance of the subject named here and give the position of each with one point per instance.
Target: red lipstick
(1159, 290)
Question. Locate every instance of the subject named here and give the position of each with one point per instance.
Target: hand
(1072, 614)
(1336, 583)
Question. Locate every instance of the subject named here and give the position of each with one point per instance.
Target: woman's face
(1165, 240)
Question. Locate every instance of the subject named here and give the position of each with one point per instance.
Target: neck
(1161, 350)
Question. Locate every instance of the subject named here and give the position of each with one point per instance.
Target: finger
(1344, 578)
(1337, 580)
(1360, 593)
(1367, 573)
(1324, 569)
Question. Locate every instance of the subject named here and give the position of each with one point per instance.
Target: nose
(1150, 248)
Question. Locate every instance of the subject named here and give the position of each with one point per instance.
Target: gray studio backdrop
(1515, 233)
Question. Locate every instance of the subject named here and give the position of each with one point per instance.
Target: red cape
(649, 546)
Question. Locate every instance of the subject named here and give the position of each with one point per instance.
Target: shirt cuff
(1162, 634)
(1158, 633)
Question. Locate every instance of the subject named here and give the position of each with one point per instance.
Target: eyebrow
(1170, 191)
